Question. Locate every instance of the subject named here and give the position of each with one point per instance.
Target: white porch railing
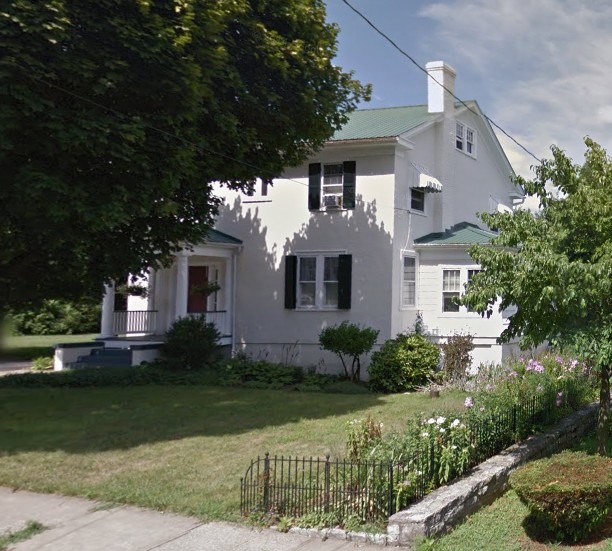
(220, 318)
(134, 321)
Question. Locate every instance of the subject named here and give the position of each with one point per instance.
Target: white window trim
(319, 282)
(464, 142)
(463, 275)
(414, 306)
(324, 195)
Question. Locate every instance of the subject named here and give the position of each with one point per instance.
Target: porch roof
(216, 236)
(463, 233)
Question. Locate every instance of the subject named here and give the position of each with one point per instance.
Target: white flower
(454, 447)
(425, 434)
(442, 429)
(431, 421)
(440, 420)
(455, 423)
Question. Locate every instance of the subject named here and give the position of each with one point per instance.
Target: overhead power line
(420, 67)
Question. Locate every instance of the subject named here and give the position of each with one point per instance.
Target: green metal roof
(385, 122)
(216, 236)
(463, 233)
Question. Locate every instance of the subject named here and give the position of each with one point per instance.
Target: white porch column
(108, 308)
(182, 282)
(229, 295)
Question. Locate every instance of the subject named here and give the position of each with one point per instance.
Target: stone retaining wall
(449, 505)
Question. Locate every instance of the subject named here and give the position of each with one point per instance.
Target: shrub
(58, 317)
(348, 340)
(457, 357)
(242, 371)
(362, 435)
(403, 363)
(42, 363)
(190, 343)
(568, 495)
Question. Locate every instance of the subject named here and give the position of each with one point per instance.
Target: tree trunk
(603, 424)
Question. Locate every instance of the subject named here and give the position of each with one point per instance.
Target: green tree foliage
(555, 266)
(116, 116)
(348, 340)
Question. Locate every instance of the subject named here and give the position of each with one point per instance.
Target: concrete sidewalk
(80, 525)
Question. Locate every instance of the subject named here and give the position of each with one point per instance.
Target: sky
(541, 69)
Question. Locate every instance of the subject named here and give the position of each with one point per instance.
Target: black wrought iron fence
(370, 490)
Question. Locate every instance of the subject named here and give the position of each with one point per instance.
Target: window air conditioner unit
(332, 202)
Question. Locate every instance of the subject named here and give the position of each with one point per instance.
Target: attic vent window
(465, 139)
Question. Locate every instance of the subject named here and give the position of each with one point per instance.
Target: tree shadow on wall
(262, 319)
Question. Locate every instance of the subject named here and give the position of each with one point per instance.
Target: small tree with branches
(349, 342)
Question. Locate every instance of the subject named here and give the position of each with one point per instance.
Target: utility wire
(407, 55)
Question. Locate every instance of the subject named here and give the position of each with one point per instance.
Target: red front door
(198, 278)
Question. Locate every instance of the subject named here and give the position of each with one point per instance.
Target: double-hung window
(454, 282)
(318, 281)
(470, 275)
(331, 186)
(409, 282)
(465, 139)
(451, 288)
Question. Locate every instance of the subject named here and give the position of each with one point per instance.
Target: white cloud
(545, 65)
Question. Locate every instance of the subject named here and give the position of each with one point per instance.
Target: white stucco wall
(279, 224)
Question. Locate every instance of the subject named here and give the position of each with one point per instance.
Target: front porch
(200, 282)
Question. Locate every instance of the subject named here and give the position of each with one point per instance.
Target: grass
(175, 448)
(28, 347)
(503, 526)
(11, 538)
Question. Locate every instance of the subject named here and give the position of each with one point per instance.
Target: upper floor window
(318, 281)
(465, 139)
(331, 186)
(417, 200)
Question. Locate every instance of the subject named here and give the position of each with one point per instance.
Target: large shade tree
(116, 116)
(555, 266)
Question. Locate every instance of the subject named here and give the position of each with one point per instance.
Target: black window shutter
(348, 191)
(290, 281)
(314, 186)
(345, 276)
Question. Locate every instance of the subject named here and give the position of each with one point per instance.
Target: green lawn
(29, 347)
(500, 526)
(175, 448)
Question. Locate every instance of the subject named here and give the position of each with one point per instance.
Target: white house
(373, 229)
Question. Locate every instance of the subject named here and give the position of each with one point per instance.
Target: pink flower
(559, 400)
(468, 402)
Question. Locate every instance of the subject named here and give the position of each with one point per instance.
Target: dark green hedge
(568, 494)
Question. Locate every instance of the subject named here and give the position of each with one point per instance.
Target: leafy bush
(348, 340)
(568, 495)
(242, 371)
(403, 363)
(457, 356)
(57, 317)
(190, 343)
